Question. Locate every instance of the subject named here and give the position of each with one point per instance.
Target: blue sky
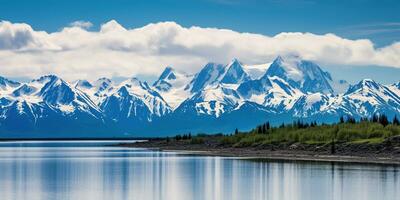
(378, 21)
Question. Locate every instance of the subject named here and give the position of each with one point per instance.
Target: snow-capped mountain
(219, 98)
(302, 74)
(7, 85)
(97, 90)
(171, 86)
(368, 97)
(213, 74)
(395, 87)
(235, 73)
(272, 92)
(134, 100)
(209, 75)
(212, 101)
(43, 103)
(363, 99)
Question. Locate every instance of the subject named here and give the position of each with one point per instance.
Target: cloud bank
(75, 52)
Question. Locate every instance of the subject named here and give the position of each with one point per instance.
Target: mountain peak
(4, 82)
(47, 78)
(302, 74)
(210, 74)
(365, 84)
(235, 73)
(83, 84)
(24, 90)
(168, 73)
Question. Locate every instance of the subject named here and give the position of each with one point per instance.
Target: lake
(94, 170)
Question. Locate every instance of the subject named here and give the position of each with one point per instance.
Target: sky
(352, 39)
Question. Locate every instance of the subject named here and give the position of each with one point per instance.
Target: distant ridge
(219, 98)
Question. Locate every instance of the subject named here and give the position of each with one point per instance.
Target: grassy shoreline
(359, 153)
(351, 141)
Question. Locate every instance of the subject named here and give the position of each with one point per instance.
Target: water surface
(93, 170)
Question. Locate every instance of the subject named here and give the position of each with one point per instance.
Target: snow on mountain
(271, 92)
(213, 74)
(210, 74)
(7, 86)
(369, 97)
(256, 71)
(364, 99)
(45, 104)
(311, 104)
(213, 101)
(281, 96)
(133, 99)
(97, 90)
(289, 88)
(235, 73)
(171, 86)
(302, 74)
(395, 87)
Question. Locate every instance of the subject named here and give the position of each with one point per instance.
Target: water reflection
(33, 172)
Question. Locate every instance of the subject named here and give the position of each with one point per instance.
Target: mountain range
(219, 98)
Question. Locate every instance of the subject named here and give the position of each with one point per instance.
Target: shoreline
(267, 154)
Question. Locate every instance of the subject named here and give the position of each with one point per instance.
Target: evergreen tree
(341, 119)
(383, 120)
(374, 118)
(178, 137)
(264, 129)
(395, 120)
(268, 126)
(259, 130)
(236, 131)
(351, 119)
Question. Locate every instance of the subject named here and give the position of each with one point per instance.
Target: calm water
(90, 170)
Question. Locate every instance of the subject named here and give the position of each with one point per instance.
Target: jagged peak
(235, 73)
(234, 61)
(24, 89)
(83, 83)
(303, 74)
(210, 73)
(4, 81)
(365, 84)
(47, 79)
(369, 82)
(104, 79)
(168, 74)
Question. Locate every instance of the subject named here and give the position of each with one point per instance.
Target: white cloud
(75, 52)
(81, 24)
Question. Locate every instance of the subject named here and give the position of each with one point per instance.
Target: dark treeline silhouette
(263, 128)
(299, 124)
(376, 118)
(183, 137)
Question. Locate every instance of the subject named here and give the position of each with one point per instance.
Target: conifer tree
(259, 130)
(383, 120)
(341, 119)
(374, 118)
(395, 120)
(264, 129)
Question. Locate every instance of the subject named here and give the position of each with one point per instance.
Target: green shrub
(197, 140)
